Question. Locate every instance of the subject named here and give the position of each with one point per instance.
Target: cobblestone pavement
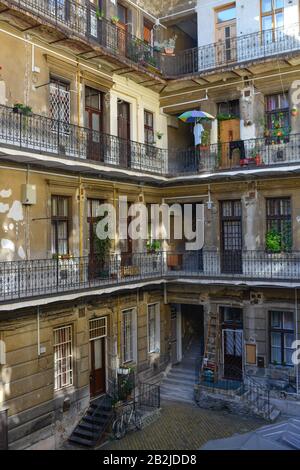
(184, 426)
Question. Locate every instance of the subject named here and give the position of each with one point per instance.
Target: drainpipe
(38, 331)
(297, 365)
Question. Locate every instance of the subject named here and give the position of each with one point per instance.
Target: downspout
(296, 365)
(38, 331)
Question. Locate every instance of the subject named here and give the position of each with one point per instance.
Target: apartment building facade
(91, 116)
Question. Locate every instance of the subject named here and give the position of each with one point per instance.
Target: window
(271, 15)
(226, 14)
(98, 328)
(153, 328)
(230, 107)
(60, 225)
(148, 127)
(277, 117)
(282, 336)
(279, 219)
(122, 14)
(63, 357)
(129, 335)
(59, 104)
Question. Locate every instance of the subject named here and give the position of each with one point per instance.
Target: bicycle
(129, 418)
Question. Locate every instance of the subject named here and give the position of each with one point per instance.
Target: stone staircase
(92, 427)
(178, 384)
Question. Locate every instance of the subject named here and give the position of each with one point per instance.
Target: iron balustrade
(21, 280)
(40, 134)
(44, 135)
(85, 20)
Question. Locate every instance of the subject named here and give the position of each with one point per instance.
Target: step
(90, 426)
(85, 434)
(92, 419)
(178, 383)
(82, 442)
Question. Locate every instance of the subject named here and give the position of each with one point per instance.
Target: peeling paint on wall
(5, 193)
(7, 245)
(16, 211)
(3, 208)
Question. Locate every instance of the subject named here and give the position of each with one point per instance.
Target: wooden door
(226, 50)
(233, 354)
(97, 373)
(231, 237)
(93, 122)
(124, 133)
(97, 263)
(229, 132)
(122, 29)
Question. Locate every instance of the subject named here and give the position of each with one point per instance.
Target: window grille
(63, 357)
(98, 328)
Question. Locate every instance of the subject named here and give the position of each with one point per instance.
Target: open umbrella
(195, 116)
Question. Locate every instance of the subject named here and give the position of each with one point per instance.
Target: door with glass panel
(272, 21)
(98, 333)
(124, 133)
(232, 342)
(93, 124)
(226, 47)
(98, 249)
(231, 237)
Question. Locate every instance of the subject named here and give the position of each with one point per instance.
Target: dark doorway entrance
(193, 326)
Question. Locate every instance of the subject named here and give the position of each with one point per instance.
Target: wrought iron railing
(44, 135)
(148, 395)
(46, 277)
(85, 20)
(40, 134)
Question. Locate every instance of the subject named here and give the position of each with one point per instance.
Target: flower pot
(257, 160)
(169, 50)
(244, 161)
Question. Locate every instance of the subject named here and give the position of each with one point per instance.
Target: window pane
(288, 354)
(279, 20)
(226, 15)
(276, 340)
(279, 4)
(267, 23)
(276, 319)
(288, 320)
(266, 6)
(288, 340)
(276, 355)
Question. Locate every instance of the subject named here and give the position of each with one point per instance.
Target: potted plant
(294, 111)
(169, 45)
(153, 246)
(102, 251)
(273, 241)
(21, 108)
(99, 14)
(115, 20)
(205, 140)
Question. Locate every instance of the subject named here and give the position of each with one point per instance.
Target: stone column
(294, 100)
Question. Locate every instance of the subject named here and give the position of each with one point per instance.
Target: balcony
(82, 20)
(20, 280)
(41, 135)
(234, 52)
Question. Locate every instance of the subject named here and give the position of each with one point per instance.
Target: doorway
(97, 261)
(122, 28)
(93, 122)
(232, 342)
(98, 334)
(124, 132)
(226, 47)
(231, 237)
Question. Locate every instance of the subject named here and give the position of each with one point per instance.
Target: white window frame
(154, 348)
(63, 351)
(132, 356)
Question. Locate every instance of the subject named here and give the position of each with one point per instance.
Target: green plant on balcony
(99, 14)
(225, 116)
(153, 246)
(102, 249)
(22, 109)
(273, 241)
(205, 140)
(115, 19)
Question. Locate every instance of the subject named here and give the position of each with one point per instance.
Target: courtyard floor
(184, 426)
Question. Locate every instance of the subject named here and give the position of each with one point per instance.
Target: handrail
(84, 20)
